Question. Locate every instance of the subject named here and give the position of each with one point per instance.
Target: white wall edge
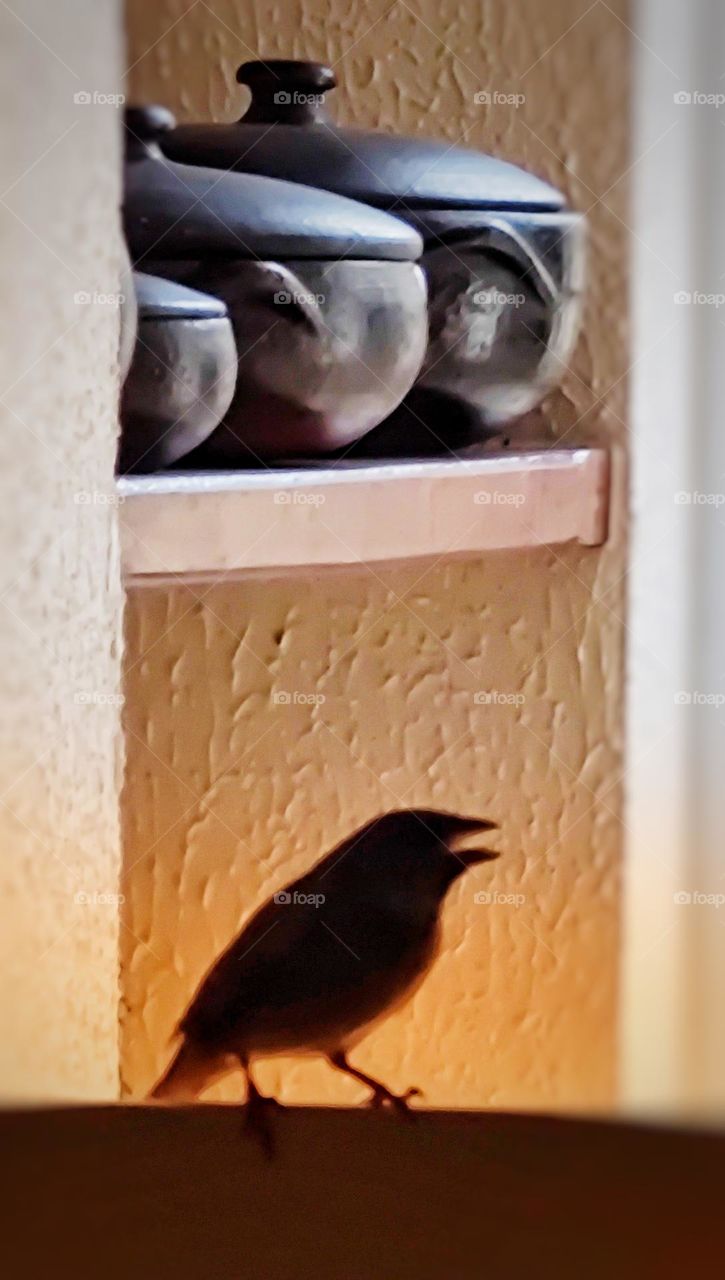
(673, 1016)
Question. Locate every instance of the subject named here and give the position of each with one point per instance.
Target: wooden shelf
(175, 1193)
(203, 525)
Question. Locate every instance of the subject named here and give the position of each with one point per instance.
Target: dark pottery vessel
(182, 375)
(129, 317)
(504, 257)
(328, 306)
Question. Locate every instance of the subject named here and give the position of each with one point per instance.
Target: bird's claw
(258, 1111)
(397, 1101)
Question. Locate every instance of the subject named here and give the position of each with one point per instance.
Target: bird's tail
(191, 1069)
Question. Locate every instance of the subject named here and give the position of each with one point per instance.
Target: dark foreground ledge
(140, 1193)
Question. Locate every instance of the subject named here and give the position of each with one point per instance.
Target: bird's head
(415, 852)
(441, 839)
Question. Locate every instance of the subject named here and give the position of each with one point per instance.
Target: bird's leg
(257, 1110)
(381, 1094)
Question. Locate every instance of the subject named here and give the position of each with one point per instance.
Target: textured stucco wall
(60, 592)
(230, 793)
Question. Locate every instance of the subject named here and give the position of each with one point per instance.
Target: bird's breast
(356, 974)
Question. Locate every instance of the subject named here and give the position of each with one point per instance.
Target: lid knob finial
(144, 126)
(285, 91)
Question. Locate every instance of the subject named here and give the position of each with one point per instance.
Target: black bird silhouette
(322, 961)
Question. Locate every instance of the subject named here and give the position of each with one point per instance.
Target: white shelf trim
(200, 525)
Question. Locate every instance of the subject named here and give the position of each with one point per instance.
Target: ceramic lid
(181, 211)
(160, 299)
(381, 169)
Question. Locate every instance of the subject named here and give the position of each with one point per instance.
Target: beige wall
(229, 794)
(60, 592)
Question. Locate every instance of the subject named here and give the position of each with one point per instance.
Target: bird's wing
(246, 973)
(231, 984)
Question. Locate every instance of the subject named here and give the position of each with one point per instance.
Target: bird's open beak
(472, 857)
(463, 827)
(469, 826)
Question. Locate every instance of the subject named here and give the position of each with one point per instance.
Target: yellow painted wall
(230, 793)
(60, 590)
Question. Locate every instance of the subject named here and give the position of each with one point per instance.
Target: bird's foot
(382, 1097)
(258, 1113)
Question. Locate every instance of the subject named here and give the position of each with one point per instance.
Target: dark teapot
(327, 303)
(504, 257)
